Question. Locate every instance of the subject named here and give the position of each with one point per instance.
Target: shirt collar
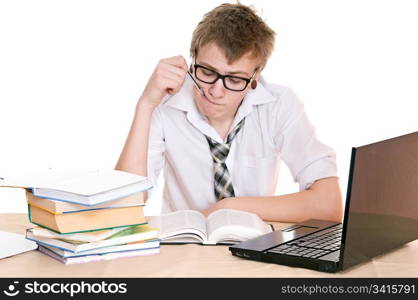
(184, 101)
(261, 95)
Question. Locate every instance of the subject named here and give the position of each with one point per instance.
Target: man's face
(219, 103)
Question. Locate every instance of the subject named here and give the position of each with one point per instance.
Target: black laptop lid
(382, 199)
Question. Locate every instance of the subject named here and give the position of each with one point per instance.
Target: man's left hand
(218, 205)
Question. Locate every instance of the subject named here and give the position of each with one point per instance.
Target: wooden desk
(190, 261)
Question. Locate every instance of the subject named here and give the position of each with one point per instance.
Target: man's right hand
(167, 78)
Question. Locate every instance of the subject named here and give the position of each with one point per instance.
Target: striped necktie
(219, 152)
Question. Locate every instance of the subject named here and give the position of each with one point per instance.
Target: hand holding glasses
(196, 85)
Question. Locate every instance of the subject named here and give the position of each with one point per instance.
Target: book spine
(44, 208)
(29, 214)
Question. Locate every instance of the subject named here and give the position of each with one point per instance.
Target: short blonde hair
(237, 30)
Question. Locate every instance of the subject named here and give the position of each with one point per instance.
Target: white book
(58, 207)
(147, 244)
(85, 188)
(224, 226)
(98, 257)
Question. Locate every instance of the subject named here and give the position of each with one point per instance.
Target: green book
(128, 235)
(85, 236)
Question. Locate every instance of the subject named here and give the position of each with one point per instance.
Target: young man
(219, 130)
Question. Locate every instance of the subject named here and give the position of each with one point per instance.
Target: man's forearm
(134, 155)
(321, 201)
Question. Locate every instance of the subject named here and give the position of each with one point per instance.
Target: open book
(224, 226)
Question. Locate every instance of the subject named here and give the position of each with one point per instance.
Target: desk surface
(190, 261)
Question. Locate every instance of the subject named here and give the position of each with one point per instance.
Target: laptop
(381, 214)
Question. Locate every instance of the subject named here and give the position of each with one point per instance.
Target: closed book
(85, 188)
(97, 257)
(87, 220)
(86, 236)
(65, 207)
(147, 244)
(128, 235)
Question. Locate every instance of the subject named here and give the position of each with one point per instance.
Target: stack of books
(91, 216)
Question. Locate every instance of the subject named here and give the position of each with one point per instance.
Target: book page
(12, 244)
(232, 226)
(96, 182)
(45, 177)
(180, 224)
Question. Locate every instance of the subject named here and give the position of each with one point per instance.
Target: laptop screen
(382, 199)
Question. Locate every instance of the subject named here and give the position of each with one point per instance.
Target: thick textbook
(97, 257)
(58, 207)
(224, 226)
(88, 219)
(85, 188)
(128, 235)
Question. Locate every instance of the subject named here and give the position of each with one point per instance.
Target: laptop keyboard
(314, 245)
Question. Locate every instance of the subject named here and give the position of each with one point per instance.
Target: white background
(72, 71)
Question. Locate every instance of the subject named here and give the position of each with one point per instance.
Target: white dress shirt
(276, 128)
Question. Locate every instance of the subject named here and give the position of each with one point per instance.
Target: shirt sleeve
(156, 147)
(306, 157)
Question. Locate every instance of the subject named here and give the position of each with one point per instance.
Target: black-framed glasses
(231, 82)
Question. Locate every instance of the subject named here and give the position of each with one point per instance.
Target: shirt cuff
(319, 169)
